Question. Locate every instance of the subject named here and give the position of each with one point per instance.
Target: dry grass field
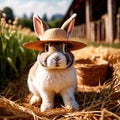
(101, 102)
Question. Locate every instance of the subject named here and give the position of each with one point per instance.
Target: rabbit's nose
(56, 58)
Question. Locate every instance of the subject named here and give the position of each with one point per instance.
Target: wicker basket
(91, 72)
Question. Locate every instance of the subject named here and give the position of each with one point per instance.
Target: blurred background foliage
(14, 59)
(26, 21)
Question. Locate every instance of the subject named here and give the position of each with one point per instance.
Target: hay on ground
(100, 102)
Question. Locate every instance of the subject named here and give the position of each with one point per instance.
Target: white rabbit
(53, 72)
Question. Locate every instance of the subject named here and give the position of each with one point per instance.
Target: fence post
(92, 32)
(118, 27)
(98, 30)
(88, 17)
(103, 30)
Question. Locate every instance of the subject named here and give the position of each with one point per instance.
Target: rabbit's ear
(68, 25)
(39, 26)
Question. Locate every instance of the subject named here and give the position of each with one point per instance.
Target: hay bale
(91, 72)
(109, 54)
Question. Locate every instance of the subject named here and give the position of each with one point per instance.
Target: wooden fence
(99, 30)
(79, 31)
(118, 27)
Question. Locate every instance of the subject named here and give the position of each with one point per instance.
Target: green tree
(9, 12)
(26, 22)
(45, 18)
(31, 16)
(24, 16)
(54, 23)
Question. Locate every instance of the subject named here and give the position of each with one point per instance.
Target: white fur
(46, 83)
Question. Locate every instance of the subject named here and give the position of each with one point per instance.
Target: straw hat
(54, 35)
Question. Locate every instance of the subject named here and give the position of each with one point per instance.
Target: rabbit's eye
(65, 47)
(46, 47)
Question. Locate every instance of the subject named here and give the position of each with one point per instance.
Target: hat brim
(38, 45)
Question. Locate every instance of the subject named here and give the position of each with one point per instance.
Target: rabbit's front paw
(46, 106)
(69, 99)
(72, 105)
(35, 99)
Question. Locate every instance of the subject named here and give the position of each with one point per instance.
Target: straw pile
(100, 102)
(91, 72)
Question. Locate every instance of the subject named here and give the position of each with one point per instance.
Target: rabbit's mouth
(56, 64)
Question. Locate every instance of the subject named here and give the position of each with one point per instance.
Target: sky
(39, 7)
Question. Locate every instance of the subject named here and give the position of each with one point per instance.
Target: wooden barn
(97, 20)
